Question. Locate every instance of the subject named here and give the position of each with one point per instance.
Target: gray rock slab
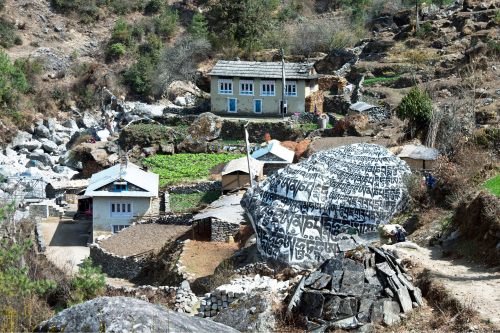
(345, 324)
(346, 245)
(385, 268)
(124, 314)
(352, 282)
(312, 303)
(322, 282)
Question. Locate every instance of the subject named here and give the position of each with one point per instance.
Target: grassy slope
(494, 185)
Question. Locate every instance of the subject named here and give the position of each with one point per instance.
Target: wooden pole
(252, 181)
(283, 83)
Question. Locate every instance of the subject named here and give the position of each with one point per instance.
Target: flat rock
(312, 303)
(124, 314)
(322, 282)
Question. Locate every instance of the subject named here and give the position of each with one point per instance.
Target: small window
(291, 88)
(246, 87)
(225, 86)
(120, 187)
(267, 88)
(119, 227)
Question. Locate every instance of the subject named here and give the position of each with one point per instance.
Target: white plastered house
(120, 195)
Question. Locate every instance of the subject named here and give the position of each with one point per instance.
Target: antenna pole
(283, 83)
(252, 181)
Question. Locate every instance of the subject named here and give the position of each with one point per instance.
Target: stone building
(255, 88)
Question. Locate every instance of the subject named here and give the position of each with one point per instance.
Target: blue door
(232, 105)
(257, 106)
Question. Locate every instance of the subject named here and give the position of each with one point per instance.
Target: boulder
(334, 61)
(206, 127)
(139, 109)
(30, 145)
(41, 157)
(377, 46)
(88, 120)
(124, 314)
(42, 132)
(252, 313)
(21, 138)
(49, 146)
(71, 124)
(319, 189)
(357, 123)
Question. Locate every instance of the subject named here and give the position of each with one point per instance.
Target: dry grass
(202, 258)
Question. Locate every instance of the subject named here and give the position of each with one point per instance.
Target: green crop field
(181, 168)
(494, 185)
(180, 203)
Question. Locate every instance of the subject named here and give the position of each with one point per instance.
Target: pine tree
(198, 27)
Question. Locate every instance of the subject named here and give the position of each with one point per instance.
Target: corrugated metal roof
(361, 106)
(70, 184)
(227, 208)
(131, 173)
(419, 152)
(270, 70)
(275, 148)
(241, 164)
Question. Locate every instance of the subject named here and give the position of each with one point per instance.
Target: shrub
(8, 37)
(139, 77)
(416, 106)
(12, 82)
(88, 283)
(166, 23)
(121, 33)
(115, 50)
(153, 6)
(87, 10)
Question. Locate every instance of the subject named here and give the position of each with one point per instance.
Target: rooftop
(130, 173)
(271, 70)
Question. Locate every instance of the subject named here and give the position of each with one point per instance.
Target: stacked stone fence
(195, 188)
(169, 219)
(222, 230)
(39, 236)
(117, 266)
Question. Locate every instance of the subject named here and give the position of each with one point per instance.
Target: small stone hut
(419, 157)
(219, 220)
(235, 174)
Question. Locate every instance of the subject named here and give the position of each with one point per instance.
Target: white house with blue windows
(255, 88)
(120, 195)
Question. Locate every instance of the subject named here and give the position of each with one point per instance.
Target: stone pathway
(470, 283)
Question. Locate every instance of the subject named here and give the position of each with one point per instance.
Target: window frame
(270, 83)
(247, 92)
(116, 211)
(225, 91)
(291, 83)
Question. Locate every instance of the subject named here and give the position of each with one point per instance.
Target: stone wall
(226, 294)
(314, 102)
(40, 211)
(175, 219)
(114, 265)
(39, 236)
(195, 188)
(221, 230)
(279, 130)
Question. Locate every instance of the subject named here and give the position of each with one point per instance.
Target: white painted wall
(102, 220)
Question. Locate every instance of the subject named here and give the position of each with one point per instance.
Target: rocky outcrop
(298, 211)
(372, 286)
(207, 127)
(123, 314)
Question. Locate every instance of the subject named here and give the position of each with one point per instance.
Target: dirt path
(66, 242)
(470, 283)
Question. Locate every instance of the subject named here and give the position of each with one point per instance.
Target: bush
(166, 23)
(121, 33)
(416, 106)
(87, 10)
(139, 77)
(88, 283)
(8, 37)
(115, 51)
(12, 83)
(153, 6)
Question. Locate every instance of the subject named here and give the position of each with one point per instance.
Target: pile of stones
(345, 293)
(185, 299)
(225, 294)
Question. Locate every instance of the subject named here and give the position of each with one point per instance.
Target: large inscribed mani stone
(303, 212)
